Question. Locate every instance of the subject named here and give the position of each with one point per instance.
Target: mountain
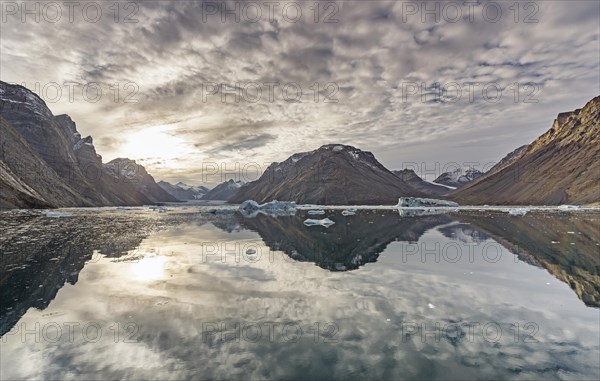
(333, 174)
(198, 188)
(182, 191)
(509, 159)
(431, 190)
(559, 167)
(44, 161)
(458, 177)
(224, 191)
(135, 174)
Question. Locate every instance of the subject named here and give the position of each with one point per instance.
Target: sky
(203, 91)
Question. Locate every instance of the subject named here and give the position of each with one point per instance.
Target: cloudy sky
(412, 82)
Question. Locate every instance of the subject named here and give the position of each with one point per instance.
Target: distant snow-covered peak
(458, 177)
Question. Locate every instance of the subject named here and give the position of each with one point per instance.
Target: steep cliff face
(46, 163)
(26, 180)
(559, 167)
(333, 174)
(50, 137)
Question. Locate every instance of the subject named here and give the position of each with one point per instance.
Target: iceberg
(416, 202)
(251, 208)
(324, 222)
(568, 207)
(518, 212)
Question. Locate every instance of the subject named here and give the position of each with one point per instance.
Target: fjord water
(114, 293)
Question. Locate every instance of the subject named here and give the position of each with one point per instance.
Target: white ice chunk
(414, 202)
(568, 207)
(518, 211)
(324, 222)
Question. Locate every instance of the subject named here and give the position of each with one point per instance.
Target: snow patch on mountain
(443, 185)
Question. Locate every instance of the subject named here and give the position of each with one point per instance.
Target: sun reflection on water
(148, 269)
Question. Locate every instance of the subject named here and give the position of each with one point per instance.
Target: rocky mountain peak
(126, 167)
(331, 174)
(407, 175)
(569, 127)
(18, 98)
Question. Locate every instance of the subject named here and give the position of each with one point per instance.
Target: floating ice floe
(316, 211)
(430, 305)
(324, 222)
(251, 208)
(54, 214)
(568, 207)
(518, 211)
(415, 202)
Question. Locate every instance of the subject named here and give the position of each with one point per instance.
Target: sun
(156, 143)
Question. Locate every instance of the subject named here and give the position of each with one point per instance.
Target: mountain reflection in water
(564, 244)
(366, 274)
(348, 244)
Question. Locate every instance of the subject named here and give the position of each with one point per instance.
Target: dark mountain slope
(559, 167)
(333, 174)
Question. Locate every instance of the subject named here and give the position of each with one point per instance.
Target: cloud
(363, 63)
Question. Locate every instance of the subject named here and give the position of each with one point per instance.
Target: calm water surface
(188, 294)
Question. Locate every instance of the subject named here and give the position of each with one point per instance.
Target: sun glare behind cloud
(157, 143)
